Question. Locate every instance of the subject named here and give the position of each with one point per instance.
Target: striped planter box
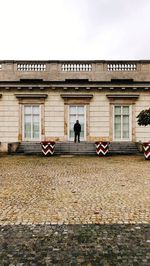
(48, 147)
(146, 147)
(102, 147)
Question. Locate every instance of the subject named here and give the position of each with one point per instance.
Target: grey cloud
(104, 14)
(127, 23)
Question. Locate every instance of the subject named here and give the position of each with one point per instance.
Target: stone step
(123, 148)
(83, 148)
(87, 148)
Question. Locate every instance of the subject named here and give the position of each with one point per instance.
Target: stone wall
(9, 118)
(87, 82)
(142, 132)
(54, 116)
(53, 70)
(99, 116)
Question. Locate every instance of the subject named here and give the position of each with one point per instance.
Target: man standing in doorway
(77, 130)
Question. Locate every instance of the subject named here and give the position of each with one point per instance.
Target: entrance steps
(82, 148)
(29, 148)
(125, 148)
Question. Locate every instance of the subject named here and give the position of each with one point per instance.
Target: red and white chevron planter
(48, 147)
(146, 147)
(102, 147)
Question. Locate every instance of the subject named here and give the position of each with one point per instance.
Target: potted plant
(102, 147)
(144, 120)
(48, 147)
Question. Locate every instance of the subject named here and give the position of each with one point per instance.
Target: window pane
(117, 131)
(81, 119)
(72, 109)
(117, 110)
(117, 126)
(117, 119)
(80, 110)
(125, 126)
(126, 110)
(125, 119)
(27, 109)
(72, 118)
(27, 126)
(71, 130)
(35, 109)
(36, 130)
(125, 134)
(35, 126)
(35, 118)
(82, 130)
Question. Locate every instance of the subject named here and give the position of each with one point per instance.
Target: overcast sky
(74, 29)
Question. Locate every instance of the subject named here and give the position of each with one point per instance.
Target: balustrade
(121, 67)
(76, 67)
(31, 67)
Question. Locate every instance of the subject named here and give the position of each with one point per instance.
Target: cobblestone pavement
(74, 210)
(71, 245)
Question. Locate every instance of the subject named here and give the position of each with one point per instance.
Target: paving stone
(74, 211)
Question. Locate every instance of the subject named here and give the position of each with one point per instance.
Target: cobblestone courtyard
(74, 210)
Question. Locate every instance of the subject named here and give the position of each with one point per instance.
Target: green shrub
(144, 118)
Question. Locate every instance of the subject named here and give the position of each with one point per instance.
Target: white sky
(74, 29)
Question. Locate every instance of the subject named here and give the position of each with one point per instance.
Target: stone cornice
(31, 95)
(74, 86)
(122, 95)
(74, 61)
(72, 95)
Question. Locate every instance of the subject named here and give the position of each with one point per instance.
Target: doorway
(77, 112)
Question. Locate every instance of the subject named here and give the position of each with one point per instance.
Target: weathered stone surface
(74, 245)
(74, 211)
(77, 190)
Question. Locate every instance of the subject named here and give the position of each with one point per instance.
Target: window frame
(130, 124)
(23, 122)
(84, 114)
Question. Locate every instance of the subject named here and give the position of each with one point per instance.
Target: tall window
(76, 113)
(32, 122)
(122, 122)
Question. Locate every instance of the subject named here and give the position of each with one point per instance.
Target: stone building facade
(41, 100)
